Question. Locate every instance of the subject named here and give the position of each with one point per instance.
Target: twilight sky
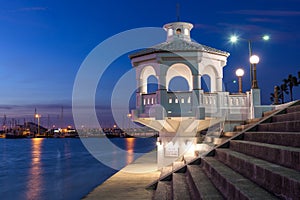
(43, 43)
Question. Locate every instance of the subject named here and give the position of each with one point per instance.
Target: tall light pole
(254, 59)
(38, 118)
(129, 119)
(235, 39)
(240, 73)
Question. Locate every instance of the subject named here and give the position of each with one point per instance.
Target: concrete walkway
(130, 182)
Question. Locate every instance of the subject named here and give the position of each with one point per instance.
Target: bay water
(48, 168)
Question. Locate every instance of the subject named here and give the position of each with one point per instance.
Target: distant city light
(37, 116)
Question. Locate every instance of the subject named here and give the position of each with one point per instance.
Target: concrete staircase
(230, 129)
(260, 162)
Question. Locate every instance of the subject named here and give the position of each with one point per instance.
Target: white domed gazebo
(179, 115)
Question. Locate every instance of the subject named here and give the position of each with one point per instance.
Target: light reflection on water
(130, 150)
(35, 181)
(57, 168)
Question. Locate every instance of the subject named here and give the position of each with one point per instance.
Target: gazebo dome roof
(178, 40)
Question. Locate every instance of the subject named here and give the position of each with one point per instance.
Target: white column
(255, 103)
(213, 84)
(219, 87)
(143, 86)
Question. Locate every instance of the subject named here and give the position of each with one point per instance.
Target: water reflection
(34, 183)
(129, 148)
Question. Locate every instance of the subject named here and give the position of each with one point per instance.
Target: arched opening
(152, 84)
(179, 70)
(211, 82)
(178, 83)
(206, 83)
(144, 75)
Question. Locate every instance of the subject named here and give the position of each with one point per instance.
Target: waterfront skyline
(44, 43)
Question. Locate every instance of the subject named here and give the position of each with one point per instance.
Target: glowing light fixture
(266, 37)
(239, 73)
(234, 39)
(254, 59)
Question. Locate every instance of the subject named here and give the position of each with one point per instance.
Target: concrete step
(281, 155)
(281, 181)
(229, 124)
(166, 170)
(280, 138)
(293, 116)
(252, 121)
(230, 134)
(163, 191)
(215, 140)
(242, 127)
(178, 164)
(201, 186)
(268, 113)
(180, 187)
(231, 184)
(290, 126)
(293, 109)
(203, 148)
(188, 159)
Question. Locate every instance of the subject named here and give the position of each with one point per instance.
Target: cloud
(240, 27)
(267, 20)
(265, 12)
(27, 9)
(6, 107)
(206, 27)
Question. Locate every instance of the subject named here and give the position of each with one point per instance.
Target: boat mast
(62, 117)
(4, 122)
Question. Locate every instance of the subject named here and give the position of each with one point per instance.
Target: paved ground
(129, 183)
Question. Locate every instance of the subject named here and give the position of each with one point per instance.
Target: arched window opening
(152, 84)
(206, 83)
(178, 84)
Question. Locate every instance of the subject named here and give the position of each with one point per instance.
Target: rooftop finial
(178, 11)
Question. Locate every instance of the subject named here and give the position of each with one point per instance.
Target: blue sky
(43, 43)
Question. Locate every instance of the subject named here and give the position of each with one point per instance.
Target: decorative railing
(149, 99)
(183, 103)
(179, 97)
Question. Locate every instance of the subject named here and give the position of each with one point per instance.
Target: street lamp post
(254, 59)
(234, 39)
(250, 54)
(38, 118)
(129, 118)
(240, 73)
